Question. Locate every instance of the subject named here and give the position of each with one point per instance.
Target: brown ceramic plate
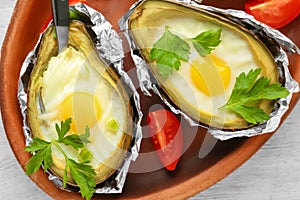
(192, 174)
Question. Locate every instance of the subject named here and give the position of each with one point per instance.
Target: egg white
(239, 51)
(68, 73)
(233, 49)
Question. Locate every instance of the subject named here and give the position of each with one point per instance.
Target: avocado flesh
(79, 40)
(152, 14)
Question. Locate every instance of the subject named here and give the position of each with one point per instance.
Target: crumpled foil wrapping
(110, 49)
(277, 43)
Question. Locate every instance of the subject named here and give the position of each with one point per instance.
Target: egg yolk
(212, 76)
(84, 109)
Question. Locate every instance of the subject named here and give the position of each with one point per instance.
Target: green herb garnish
(168, 51)
(112, 125)
(171, 49)
(248, 89)
(83, 174)
(85, 156)
(207, 41)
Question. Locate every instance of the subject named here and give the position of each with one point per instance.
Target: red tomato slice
(275, 13)
(71, 2)
(166, 135)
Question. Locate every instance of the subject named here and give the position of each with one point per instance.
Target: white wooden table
(271, 174)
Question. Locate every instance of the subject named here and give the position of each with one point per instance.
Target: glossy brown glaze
(192, 175)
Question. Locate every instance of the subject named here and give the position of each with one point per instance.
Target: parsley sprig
(82, 173)
(169, 50)
(248, 89)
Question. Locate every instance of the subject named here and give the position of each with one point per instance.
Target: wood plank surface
(271, 174)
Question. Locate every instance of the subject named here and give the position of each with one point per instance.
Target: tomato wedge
(166, 135)
(71, 2)
(275, 13)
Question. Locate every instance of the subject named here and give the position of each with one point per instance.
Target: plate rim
(244, 152)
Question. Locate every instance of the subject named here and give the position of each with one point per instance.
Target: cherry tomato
(275, 13)
(166, 135)
(71, 2)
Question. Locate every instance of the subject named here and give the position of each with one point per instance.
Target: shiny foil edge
(110, 49)
(148, 83)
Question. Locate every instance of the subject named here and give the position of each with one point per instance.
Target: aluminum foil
(277, 43)
(110, 49)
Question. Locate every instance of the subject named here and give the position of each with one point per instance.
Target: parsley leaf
(248, 89)
(72, 140)
(65, 127)
(36, 145)
(84, 137)
(43, 155)
(82, 173)
(164, 70)
(168, 51)
(207, 41)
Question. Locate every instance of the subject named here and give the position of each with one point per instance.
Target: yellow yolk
(211, 77)
(84, 109)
